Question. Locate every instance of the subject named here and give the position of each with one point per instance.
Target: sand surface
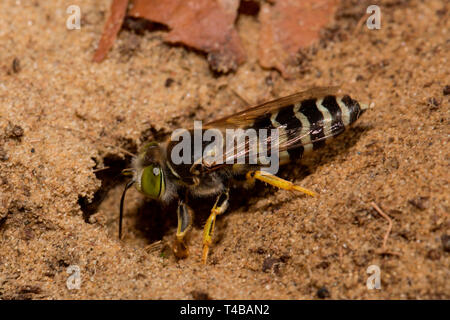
(62, 118)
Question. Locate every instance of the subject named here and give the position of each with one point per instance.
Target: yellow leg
(276, 181)
(220, 207)
(184, 213)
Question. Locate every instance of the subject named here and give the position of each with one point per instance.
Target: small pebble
(445, 242)
(3, 155)
(323, 293)
(446, 90)
(16, 65)
(169, 82)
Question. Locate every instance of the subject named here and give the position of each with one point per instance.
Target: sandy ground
(61, 115)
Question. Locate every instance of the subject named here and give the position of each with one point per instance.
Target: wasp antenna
(129, 184)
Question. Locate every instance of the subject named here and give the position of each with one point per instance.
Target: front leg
(220, 207)
(185, 214)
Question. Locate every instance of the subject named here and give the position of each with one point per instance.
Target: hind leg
(276, 181)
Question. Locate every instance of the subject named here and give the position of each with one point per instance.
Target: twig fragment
(242, 98)
(384, 215)
(359, 24)
(100, 169)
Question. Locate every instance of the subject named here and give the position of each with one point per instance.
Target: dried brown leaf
(112, 27)
(289, 25)
(205, 25)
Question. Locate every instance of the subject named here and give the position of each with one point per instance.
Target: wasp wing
(244, 119)
(290, 136)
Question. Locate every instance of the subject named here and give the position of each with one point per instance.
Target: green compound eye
(152, 182)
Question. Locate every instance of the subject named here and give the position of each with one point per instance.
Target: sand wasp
(301, 123)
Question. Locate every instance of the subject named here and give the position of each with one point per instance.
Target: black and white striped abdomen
(308, 124)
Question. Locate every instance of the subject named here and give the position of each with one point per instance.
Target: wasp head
(148, 172)
(148, 175)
